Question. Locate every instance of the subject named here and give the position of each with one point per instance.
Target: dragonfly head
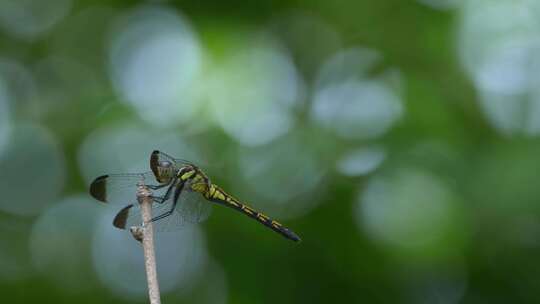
(165, 171)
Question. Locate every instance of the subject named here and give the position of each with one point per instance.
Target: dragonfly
(182, 194)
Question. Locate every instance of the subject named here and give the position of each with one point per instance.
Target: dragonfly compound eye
(165, 164)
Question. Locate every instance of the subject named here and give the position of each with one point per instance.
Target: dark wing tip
(120, 219)
(98, 188)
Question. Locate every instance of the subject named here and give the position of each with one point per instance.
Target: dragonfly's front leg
(157, 199)
(162, 199)
(177, 192)
(156, 187)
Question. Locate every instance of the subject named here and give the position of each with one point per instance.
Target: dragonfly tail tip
(293, 236)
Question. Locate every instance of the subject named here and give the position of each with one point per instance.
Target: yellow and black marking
(216, 194)
(198, 181)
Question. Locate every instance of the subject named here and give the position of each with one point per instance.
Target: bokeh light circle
(411, 211)
(154, 58)
(27, 19)
(35, 167)
(60, 243)
(350, 102)
(499, 46)
(361, 161)
(357, 109)
(253, 92)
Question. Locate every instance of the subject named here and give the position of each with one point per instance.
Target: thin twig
(147, 235)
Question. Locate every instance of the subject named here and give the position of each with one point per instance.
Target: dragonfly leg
(156, 187)
(175, 200)
(157, 199)
(161, 199)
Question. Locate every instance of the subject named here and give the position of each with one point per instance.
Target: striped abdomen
(216, 194)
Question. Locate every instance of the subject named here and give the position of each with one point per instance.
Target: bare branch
(146, 234)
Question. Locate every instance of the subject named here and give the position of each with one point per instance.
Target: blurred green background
(399, 139)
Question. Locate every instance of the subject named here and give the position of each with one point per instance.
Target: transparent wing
(193, 207)
(190, 209)
(120, 188)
